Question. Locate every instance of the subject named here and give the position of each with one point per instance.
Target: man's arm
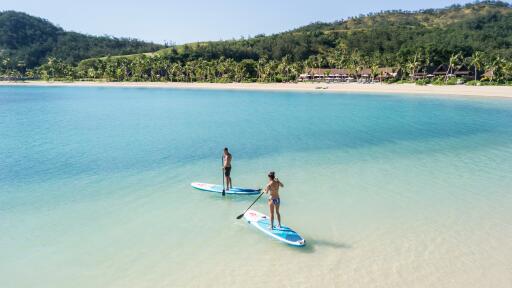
(280, 183)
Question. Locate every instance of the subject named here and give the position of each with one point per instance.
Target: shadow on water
(244, 199)
(312, 244)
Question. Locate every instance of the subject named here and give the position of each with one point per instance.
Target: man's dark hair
(225, 148)
(272, 175)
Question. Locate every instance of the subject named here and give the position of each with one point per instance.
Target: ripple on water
(389, 191)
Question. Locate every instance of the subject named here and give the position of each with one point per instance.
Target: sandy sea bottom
(389, 191)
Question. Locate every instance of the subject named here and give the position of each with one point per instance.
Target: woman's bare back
(273, 188)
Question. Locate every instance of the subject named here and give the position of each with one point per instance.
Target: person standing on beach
(227, 168)
(274, 201)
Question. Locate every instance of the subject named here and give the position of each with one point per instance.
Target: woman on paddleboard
(274, 201)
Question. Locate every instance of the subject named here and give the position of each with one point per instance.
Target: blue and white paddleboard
(218, 189)
(283, 234)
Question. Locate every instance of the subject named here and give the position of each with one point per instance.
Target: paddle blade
(240, 216)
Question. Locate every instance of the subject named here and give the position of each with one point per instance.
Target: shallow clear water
(389, 191)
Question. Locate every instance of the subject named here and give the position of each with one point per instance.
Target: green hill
(27, 41)
(390, 35)
(476, 35)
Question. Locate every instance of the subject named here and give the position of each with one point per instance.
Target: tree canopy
(478, 35)
(29, 41)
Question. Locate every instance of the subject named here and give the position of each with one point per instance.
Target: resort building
(442, 71)
(423, 73)
(325, 74)
(348, 75)
(465, 72)
(386, 73)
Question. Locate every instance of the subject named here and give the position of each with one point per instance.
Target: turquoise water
(389, 191)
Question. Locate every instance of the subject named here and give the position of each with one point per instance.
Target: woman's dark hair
(272, 175)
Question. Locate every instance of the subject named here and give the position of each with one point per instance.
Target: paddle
(223, 189)
(242, 215)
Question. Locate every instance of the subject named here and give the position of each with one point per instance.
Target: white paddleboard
(283, 234)
(218, 189)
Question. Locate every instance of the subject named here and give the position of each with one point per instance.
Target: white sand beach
(456, 90)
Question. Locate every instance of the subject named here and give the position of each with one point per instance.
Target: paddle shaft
(223, 187)
(242, 215)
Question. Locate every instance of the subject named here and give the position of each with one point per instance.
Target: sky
(187, 21)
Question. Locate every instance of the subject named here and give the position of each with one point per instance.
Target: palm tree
(490, 67)
(200, 70)
(189, 71)
(260, 69)
(477, 61)
(141, 67)
(427, 61)
(283, 68)
(507, 70)
(352, 67)
(270, 70)
(361, 64)
(497, 67)
(355, 64)
(20, 67)
(342, 55)
(221, 68)
(50, 67)
(319, 61)
(239, 72)
(331, 58)
(375, 70)
(230, 72)
(173, 71)
(179, 72)
(413, 64)
(110, 69)
(295, 70)
(310, 62)
(454, 61)
(3, 63)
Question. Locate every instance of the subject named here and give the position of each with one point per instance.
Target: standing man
(227, 168)
(274, 201)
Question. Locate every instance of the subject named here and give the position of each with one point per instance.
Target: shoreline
(456, 90)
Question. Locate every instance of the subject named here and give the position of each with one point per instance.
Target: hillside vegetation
(391, 36)
(28, 41)
(478, 35)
